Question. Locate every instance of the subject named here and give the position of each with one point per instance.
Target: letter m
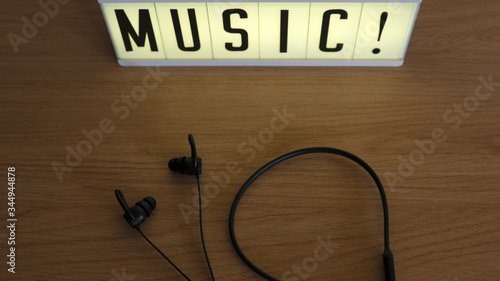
(145, 29)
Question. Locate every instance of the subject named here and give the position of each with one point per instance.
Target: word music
(265, 31)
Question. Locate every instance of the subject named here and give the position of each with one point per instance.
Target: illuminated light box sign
(265, 33)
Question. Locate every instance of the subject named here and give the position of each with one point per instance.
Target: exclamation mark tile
(383, 20)
(384, 31)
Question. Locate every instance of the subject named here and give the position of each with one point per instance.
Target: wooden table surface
(430, 129)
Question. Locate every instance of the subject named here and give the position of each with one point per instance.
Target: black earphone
(138, 213)
(187, 165)
(142, 209)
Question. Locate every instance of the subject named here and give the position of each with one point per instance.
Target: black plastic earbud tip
(151, 201)
(172, 164)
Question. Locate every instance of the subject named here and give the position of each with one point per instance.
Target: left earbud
(139, 212)
(187, 165)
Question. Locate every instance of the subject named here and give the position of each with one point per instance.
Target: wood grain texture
(445, 207)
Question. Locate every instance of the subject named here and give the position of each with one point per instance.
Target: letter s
(250, 150)
(117, 109)
(455, 119)
(226, 17)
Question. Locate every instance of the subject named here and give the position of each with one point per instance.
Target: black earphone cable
(201, 234)
(201, 228)
(161, 253)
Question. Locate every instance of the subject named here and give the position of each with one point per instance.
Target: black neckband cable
(387, 255)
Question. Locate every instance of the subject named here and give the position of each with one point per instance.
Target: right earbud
(187, 165)
(139, 212)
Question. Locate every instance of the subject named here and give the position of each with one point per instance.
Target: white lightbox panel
(265, 33)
